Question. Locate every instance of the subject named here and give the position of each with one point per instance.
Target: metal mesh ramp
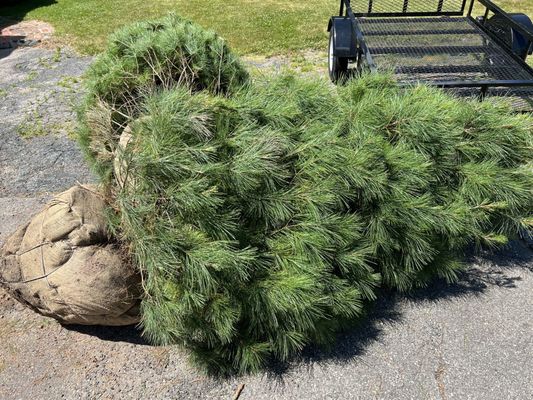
(433, 49)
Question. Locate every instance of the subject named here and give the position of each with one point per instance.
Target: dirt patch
(6, 302)
(309, 63)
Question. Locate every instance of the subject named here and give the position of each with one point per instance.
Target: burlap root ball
(63, 265)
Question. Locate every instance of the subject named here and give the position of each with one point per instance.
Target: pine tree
(263, 218)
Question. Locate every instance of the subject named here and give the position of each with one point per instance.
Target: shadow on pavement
(487, 269)
(129, 334)
(11, 13)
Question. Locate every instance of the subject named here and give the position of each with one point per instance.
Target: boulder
(63, 264)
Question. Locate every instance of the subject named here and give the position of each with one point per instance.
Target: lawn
(251, 26)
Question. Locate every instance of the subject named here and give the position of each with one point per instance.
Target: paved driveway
(472, 340)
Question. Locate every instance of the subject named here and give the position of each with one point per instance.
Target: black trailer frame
(446, 46)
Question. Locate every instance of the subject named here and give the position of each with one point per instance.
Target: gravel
(471, 340)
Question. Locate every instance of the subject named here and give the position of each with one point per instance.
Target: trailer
(436, 42)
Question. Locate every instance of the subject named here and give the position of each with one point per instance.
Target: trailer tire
(337, 66)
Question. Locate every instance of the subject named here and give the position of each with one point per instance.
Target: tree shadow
(128, 334)
(486, 270)
(11, 13)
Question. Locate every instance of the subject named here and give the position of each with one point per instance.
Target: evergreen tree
(265, 217)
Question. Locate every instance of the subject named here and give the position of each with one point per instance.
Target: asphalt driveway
(471, 340)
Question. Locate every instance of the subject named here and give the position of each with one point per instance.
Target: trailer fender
(520, 42)
(512, 38)
(345, 46)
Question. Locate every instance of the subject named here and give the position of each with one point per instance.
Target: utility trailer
(436, 42)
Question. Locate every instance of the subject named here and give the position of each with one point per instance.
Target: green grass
(32, 126)
(251, 27)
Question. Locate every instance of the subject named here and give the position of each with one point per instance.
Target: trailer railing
(413, 8)
(357, 34)
(446, 8)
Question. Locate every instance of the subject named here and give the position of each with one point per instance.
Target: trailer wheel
(337, 66)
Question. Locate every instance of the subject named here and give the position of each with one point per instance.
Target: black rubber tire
(337, 66)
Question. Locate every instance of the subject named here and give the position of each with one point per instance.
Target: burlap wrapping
(63, 265)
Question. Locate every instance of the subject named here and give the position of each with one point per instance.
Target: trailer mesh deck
(430, 49)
